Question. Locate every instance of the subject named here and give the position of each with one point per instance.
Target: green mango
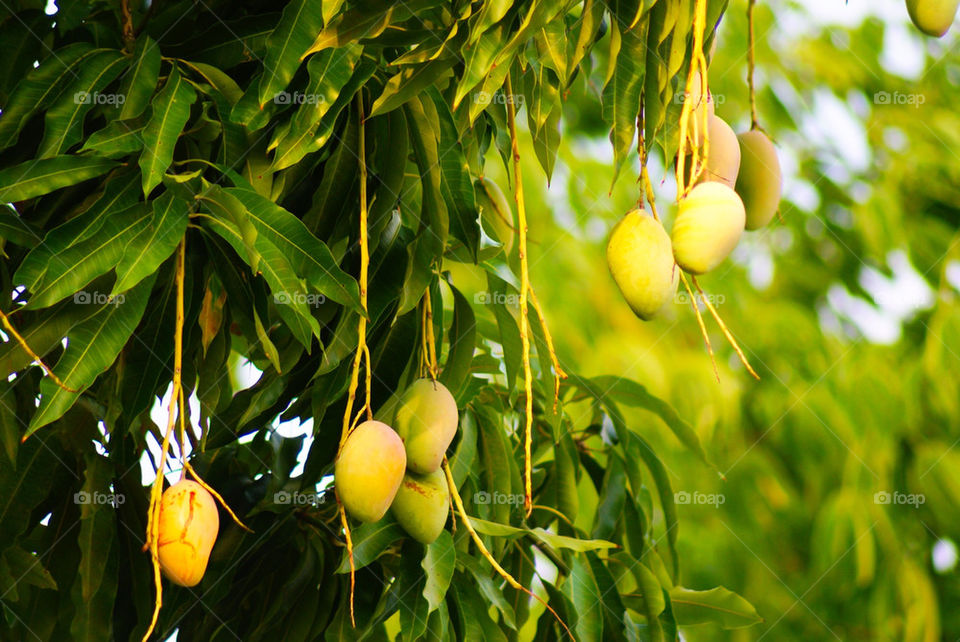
(723, 153)
(710, 220)
(426, 420)
(641, 262)
(422, 505)
(933, 17)
(760, 181)
(369, 470)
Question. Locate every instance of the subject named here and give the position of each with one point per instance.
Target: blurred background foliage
(847, 307)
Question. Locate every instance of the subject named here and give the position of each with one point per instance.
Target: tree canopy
(232, 230)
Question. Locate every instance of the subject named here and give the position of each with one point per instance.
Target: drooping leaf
(155, 242)
(170, 111)
(299, 25)
(718, 606)
(35, 178)
(92, 347)
(63, 124)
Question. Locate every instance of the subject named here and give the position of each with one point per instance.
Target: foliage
(234, 130)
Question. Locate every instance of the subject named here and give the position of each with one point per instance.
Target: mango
(723, 153)
(708, 225)
(759, 183)
(641, 262)
(496, 216)
(369, 470)
(426, 420)
(422, 505)
(188, 527)
(933, 17)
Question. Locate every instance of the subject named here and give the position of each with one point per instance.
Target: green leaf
(633, 394)
(299, 25)
(333, 84)
(438, 564)
(119, 138)
(463, 338)
(171, 108)
(97, 524)
(142, 78)
(40, 88)
(621, 94)
(79, 264)
(581, 587)
(718, 606)
(14, 229)
(119, 193)
(63, 124)
(369, 541)
(480, 571)
(35, 178)
(24, 486)
(409, 82)
(28, 568)
(456, 184)
(155, 242)
(91, 348)
(310, 256)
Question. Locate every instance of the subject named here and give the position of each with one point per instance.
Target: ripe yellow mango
(496, 215)
(369, 470)
(760, 182)
(641, 262)
(422, 505)
(709, 223)
(723, 153)
(426, 420)
(188, 527)
(933, 17)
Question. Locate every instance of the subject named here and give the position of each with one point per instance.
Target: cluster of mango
(738, 188)
(380, 468)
